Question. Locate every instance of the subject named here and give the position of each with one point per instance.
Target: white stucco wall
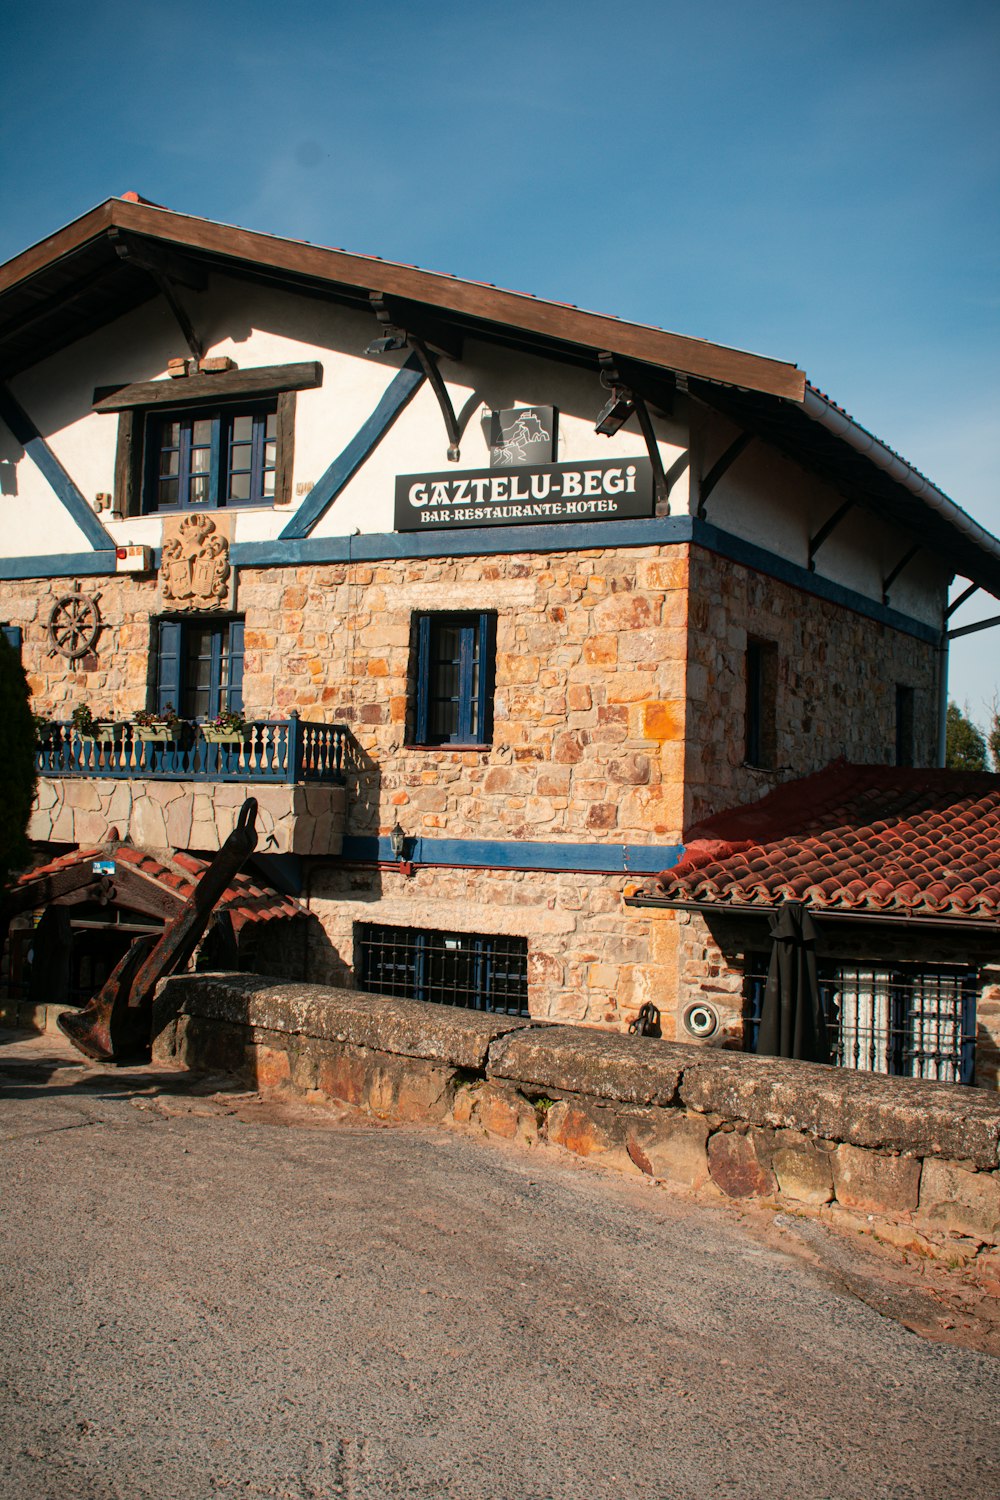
(763, 497)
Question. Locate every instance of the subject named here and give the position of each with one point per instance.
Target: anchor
(116, 1023)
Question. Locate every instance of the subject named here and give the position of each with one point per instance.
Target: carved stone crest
(195, 571)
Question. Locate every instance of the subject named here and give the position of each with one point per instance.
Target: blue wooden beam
(509, 854)
(322, 495)
(45, 461)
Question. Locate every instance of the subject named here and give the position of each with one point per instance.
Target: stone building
(486, 599)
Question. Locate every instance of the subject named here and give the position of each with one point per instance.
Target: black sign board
(521, 435)
(526, 496)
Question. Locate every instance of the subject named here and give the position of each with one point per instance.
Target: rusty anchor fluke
(115, 1024)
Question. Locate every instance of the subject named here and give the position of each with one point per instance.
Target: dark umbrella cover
(792, 1023)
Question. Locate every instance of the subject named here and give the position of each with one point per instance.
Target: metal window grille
(473, 970)
(906, 1020)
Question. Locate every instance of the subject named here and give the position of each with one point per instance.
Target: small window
(199, 667)
(454, 679)
(473, 970)
(14, 637)
(761, 703)
(904, 725)
(202, 459)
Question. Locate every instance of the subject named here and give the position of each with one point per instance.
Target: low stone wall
(918, 1161)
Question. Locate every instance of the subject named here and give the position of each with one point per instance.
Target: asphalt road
(200, 1305)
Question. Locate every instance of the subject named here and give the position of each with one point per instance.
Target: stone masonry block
(804, 1172)
(423, 1092)
(736, 1166)
(587, 1130)
(671, 1145)
(967, 1202)
(342, 1074)
(502, 1111)
(874, 1183)
(272, 1066)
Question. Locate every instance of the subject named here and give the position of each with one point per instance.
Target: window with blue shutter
(14, 637)
(199, 667)
(455, 656)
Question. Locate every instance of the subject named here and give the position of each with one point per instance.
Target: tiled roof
(246, 899)
(866, 839)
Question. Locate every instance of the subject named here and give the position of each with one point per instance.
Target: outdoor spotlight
(397, 841)
(388, 342)
(616, 413)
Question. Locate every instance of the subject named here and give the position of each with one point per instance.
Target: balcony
(285, 750)
(185, 792)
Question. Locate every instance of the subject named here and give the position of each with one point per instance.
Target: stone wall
(915, 1161)
(590, 959)
(186, 814)
(836, 688)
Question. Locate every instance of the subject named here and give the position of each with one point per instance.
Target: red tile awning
(246, 898)
(853, 839)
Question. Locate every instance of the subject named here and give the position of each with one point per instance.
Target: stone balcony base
(187, 814)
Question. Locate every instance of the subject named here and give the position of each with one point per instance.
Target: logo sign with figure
(521, 435)
(537, 495)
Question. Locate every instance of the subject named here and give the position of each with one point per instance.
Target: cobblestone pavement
(203, 1296)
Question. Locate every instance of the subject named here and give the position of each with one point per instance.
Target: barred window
(474, 970)
(907, 1020)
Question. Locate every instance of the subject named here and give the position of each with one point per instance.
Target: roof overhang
(646, 900)
(75, 280)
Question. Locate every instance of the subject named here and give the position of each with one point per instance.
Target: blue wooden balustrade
(284, 750)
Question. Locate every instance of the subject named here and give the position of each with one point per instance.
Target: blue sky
(820, 184)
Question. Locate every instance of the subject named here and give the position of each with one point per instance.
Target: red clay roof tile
(854, 838)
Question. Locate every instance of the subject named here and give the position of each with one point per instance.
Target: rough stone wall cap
(603, 1064)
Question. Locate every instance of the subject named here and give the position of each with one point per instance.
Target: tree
(17, 757)
(965, 747)
(993, 735)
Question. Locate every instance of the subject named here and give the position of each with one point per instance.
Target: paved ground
(199, 1303)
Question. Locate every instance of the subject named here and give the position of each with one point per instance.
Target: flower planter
(104, 734)
(160, 734)
(221, 736)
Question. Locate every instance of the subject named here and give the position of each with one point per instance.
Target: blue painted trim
(474, 541)
(751, 556)
(41, 455)
(602, 859)
(58, 565)
(405, 384)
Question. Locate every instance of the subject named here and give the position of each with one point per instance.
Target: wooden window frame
(171, 660)
(476, 680)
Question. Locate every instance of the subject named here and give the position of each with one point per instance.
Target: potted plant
(227, 728)
(45, 731)
(89, 728)
(158, 725)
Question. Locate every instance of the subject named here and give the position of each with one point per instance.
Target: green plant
(230, 719)
(146, 718)
(82, 719)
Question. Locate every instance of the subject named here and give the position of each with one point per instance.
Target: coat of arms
(195, 571)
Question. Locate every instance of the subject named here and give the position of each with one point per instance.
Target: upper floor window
(202, 459)
(761, 703)
(199, 667)
(454, 682)
(905, 697)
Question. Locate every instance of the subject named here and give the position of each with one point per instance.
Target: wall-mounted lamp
(397, 841)
(616, 412)
(395, 339)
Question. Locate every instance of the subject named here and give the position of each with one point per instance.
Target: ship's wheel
(74, 624)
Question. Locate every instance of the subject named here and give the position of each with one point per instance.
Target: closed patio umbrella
(792, 1023)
